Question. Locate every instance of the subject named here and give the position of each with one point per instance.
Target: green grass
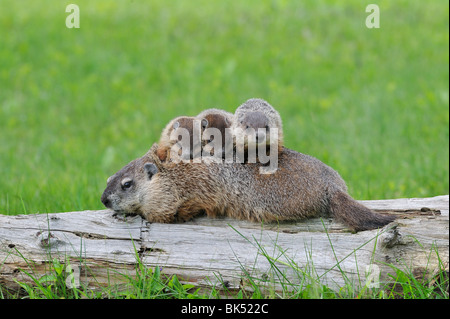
(78, 104)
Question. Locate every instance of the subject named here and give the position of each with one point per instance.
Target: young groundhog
(253, 124)
(301, 187)
(168, 138)
(216, 119)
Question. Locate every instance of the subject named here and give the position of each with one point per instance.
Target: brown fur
(302, 187)
(165, 143)
(216, 118)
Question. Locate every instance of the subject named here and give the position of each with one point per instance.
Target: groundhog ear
(204, 123)
(150, 169)
(155, 154)
(176, 125)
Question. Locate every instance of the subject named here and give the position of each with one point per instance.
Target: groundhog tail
(348, 211)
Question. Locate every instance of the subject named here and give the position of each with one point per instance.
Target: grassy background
(78, 104)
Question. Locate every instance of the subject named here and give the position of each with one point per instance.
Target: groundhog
(252, 123)
(220, 120)
(166, 141)
(302, 187)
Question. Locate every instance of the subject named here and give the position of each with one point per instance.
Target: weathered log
(103, 247)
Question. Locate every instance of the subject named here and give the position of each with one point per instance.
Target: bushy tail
(348, 211)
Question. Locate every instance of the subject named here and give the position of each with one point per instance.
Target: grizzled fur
(301, 187)
(257, 114)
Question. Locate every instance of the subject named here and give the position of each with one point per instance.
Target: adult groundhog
(301, 187)
(252, 123)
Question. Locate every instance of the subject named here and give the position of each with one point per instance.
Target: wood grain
(224, 252)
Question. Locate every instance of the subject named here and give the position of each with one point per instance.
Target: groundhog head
(180, 133)
(129, 190)
(258, 122)
(256, 125)
(252, 134)
(214, 129)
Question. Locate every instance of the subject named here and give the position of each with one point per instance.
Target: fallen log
(103, 247)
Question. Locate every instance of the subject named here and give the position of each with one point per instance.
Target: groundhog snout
(105, 200)
(260, 137)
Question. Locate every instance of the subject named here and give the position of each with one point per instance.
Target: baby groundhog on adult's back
(301, 187)
(257, 118)
(169, 137)
(220, 120)
(194, 129)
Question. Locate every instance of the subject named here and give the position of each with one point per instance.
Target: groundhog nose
(105, 200)
(260, 137)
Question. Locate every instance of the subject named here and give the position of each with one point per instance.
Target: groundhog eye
(127, 184)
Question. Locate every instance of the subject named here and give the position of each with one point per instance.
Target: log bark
(104, 247)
